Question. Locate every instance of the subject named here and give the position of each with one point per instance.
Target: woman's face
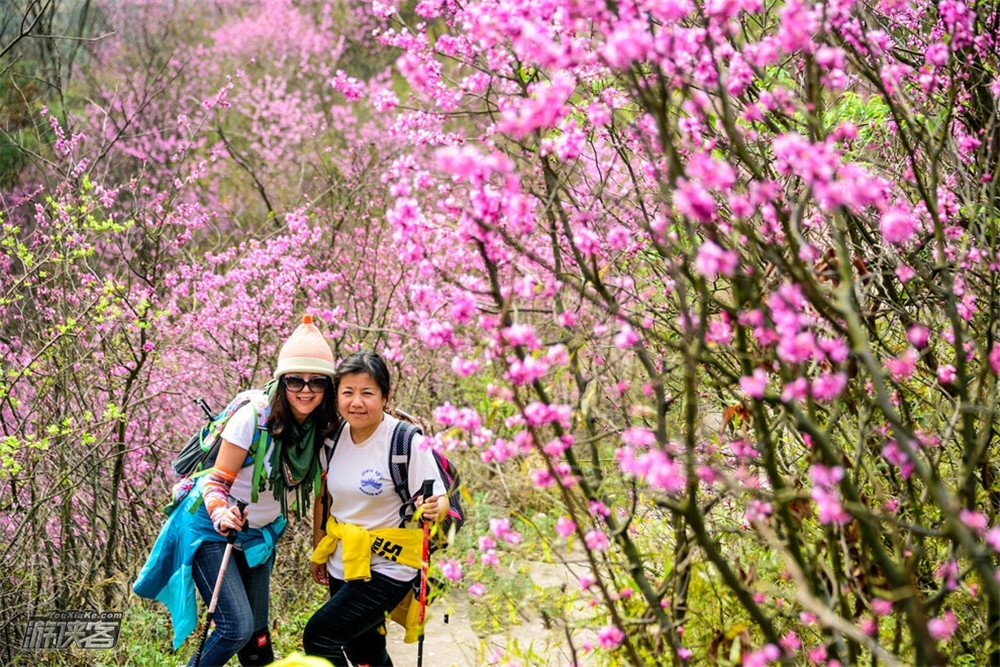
(304, 392)
(361, 404)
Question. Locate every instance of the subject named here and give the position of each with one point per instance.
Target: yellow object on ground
(299, 660)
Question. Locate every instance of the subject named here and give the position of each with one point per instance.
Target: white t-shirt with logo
(362, 492)
(240, 431)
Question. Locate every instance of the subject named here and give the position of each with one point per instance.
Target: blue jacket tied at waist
(166, 576)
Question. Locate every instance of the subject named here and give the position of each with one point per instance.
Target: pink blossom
(610, 637)
(557, 446)
(946, 373)
(947, 572)
(596, 540)
(627, 44)
(754, 386)
(829, 509)
(944, 626)
(977, 521)
(521, 335)
(587, 241)
(639, 436)
(566, 319)
(766, 655)
(713, 260)
(502, 530)
(905, 273)
(542, 478)
(451, 569)
(898, 226)
(694, 201)
(835, 349)
(796, 390)
(719, 331)
(995, 359)
(881, 607)
(659, 471)
(597, 508)
(565, 526)
(758, 510)
(825, 494)
(918, 336)
(545, 106)
(828, 386)
(743, 449)
(537, 414)
(902, 367)
(435, 333)
(464, 367)
(501, 450)
(527, 370)
(797, 348)
(993, 538)
(826, 476)
(937, 54)
(894, 454)
(708, 474)
(791, 642)
(477, 590)
(626, 337)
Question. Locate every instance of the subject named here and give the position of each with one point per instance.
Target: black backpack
(198, 456)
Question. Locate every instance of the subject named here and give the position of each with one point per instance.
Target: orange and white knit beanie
(305, 351)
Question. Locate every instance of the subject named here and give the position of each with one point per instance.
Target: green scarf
(294, 461)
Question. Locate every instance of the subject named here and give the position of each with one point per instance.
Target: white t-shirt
(240, 431)
(362, 492)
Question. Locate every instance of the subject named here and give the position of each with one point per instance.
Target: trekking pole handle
(427, 492)
(203, 404)
(241, 505)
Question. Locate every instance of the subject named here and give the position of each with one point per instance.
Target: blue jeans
(351, 624)
(243, 600)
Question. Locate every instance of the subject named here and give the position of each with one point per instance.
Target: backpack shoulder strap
(399, 458)
(261, 439)
(329, 444)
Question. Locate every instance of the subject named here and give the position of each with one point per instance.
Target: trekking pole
(427, 492)
(230, 540)
(203, 404)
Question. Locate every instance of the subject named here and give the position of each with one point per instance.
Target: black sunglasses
(317, 383)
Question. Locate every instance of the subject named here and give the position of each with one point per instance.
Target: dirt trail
(456, 644)
(445, 645)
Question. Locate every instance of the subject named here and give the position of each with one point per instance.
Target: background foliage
(704, 293)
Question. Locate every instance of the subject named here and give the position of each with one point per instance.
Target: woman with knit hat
(295, 412)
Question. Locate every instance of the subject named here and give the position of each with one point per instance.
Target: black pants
(351, 624)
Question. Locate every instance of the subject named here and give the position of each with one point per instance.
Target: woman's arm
(319, 517)
(217, 486)
(318, 570)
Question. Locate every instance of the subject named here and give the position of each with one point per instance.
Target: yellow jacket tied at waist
(402, 545)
